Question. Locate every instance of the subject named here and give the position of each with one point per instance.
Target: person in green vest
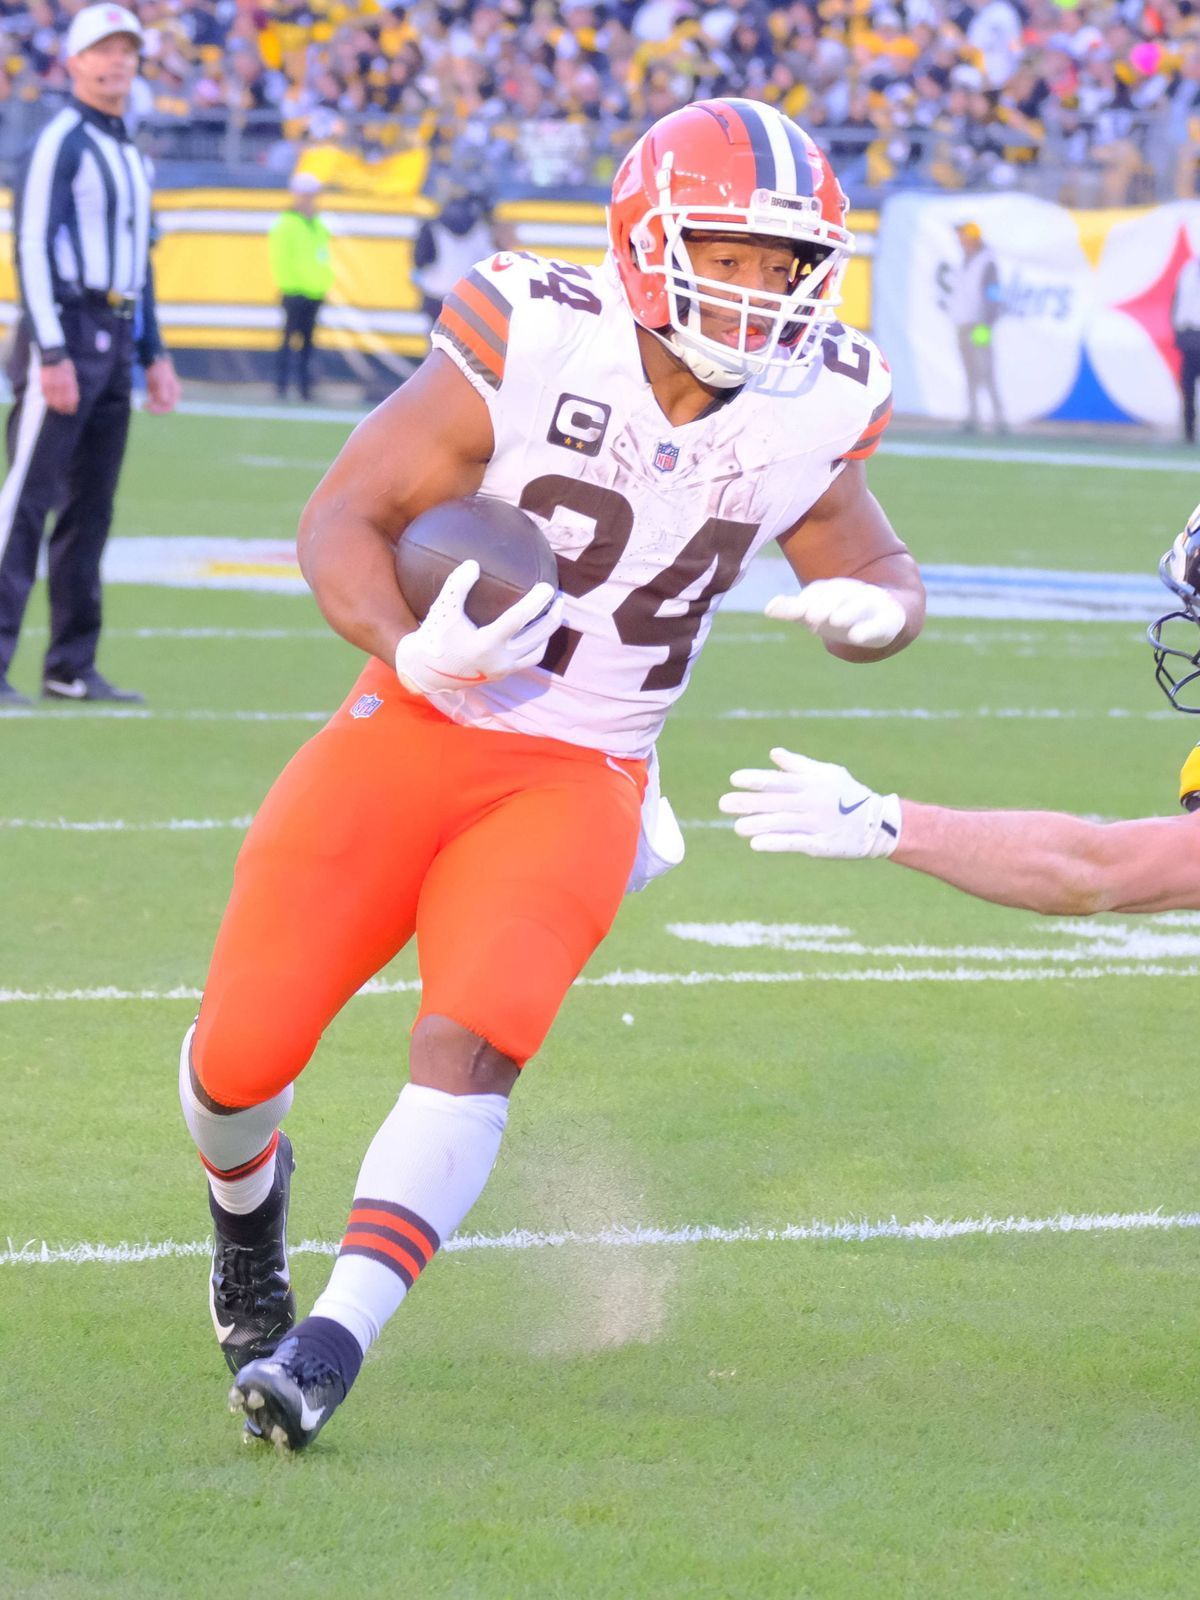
(302, 267)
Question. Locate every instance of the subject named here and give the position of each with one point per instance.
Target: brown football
(512, 552)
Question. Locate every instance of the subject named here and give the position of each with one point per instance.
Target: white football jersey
(652, 523)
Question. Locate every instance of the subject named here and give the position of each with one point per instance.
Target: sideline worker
(1185, 325)
(82, 241)
(302, 268)
(974, 307)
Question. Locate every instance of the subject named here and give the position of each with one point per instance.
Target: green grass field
(850, 1418)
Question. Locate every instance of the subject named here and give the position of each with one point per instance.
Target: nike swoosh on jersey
(846, 810)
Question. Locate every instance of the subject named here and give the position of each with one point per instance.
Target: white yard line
(121, 825)
(1060, 968)
(929, 714)
(924, 1230)
(205, 633)
(915, 449)
(212, 824)
(918, 450)
(68, 713)
(234, 412)
(65, 714)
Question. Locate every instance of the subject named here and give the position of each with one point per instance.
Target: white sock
(424, 1170)
(236, 1147)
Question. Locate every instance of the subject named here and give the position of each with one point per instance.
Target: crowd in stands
(1086, 101)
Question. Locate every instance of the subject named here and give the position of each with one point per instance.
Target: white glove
(814, 807)
(449, 652)
(843, 611)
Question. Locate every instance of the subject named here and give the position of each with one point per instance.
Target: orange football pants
(507, 856)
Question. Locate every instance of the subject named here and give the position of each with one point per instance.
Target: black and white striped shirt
(82, 222)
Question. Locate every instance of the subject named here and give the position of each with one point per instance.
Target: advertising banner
(1076, 322)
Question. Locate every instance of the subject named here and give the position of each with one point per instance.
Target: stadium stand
(1082, 103)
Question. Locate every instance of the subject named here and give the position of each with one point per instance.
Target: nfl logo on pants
(366, 705)
(666, 456)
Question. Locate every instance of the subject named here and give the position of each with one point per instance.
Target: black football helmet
(1179, 569)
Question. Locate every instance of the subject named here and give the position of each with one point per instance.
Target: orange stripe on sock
(466, 334)
(360, 1217)
(387, 1247)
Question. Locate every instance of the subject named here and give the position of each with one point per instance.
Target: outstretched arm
(1042, 861)
(1053, 863)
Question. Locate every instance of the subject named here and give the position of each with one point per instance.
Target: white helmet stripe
(786, 176)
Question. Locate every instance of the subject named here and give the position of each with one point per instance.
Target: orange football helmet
(728, 166)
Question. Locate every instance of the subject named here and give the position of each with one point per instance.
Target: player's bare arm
(1056, 864)
(427, 443)
(847, 534)
(1042, 861)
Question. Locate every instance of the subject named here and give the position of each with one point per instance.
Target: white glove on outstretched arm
(814, 807)
(843, 611)
(449, 652)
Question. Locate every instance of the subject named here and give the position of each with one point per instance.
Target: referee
(81, 226)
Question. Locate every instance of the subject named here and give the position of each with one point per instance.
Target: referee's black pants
(1187, 341)
(68, 465)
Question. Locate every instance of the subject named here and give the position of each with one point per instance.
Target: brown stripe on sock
(247, 1167)
(402, 1262)
(394, 1214)
(398, 1228)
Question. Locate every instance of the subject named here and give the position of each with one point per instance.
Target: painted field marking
(200, 561)
(1164, 945)
(915, 449)
(38, 1253)
(66, 714)
(231, 411)
(928, 714)
(1120, 941)
(637, 978)
(212, 824)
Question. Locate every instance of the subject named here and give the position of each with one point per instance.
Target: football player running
(1042, 861)
(492, 791)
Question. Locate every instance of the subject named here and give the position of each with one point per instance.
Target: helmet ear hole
(642, 242)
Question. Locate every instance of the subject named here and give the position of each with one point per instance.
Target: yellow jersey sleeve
(1189, 781)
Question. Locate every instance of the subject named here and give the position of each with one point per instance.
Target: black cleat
(288, 1397)
(250, 1292)
(12, 699)
(90, 685)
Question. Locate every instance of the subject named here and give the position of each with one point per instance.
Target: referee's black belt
(109, 300)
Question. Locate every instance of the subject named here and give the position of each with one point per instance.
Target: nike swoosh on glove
(843, 611)
(448, 651)
(813, 807)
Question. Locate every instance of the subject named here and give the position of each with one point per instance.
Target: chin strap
(700, 366)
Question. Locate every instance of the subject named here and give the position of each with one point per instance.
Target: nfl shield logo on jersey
(366, 705)
(666, 456)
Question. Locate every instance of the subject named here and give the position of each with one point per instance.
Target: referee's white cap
(94, 23)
